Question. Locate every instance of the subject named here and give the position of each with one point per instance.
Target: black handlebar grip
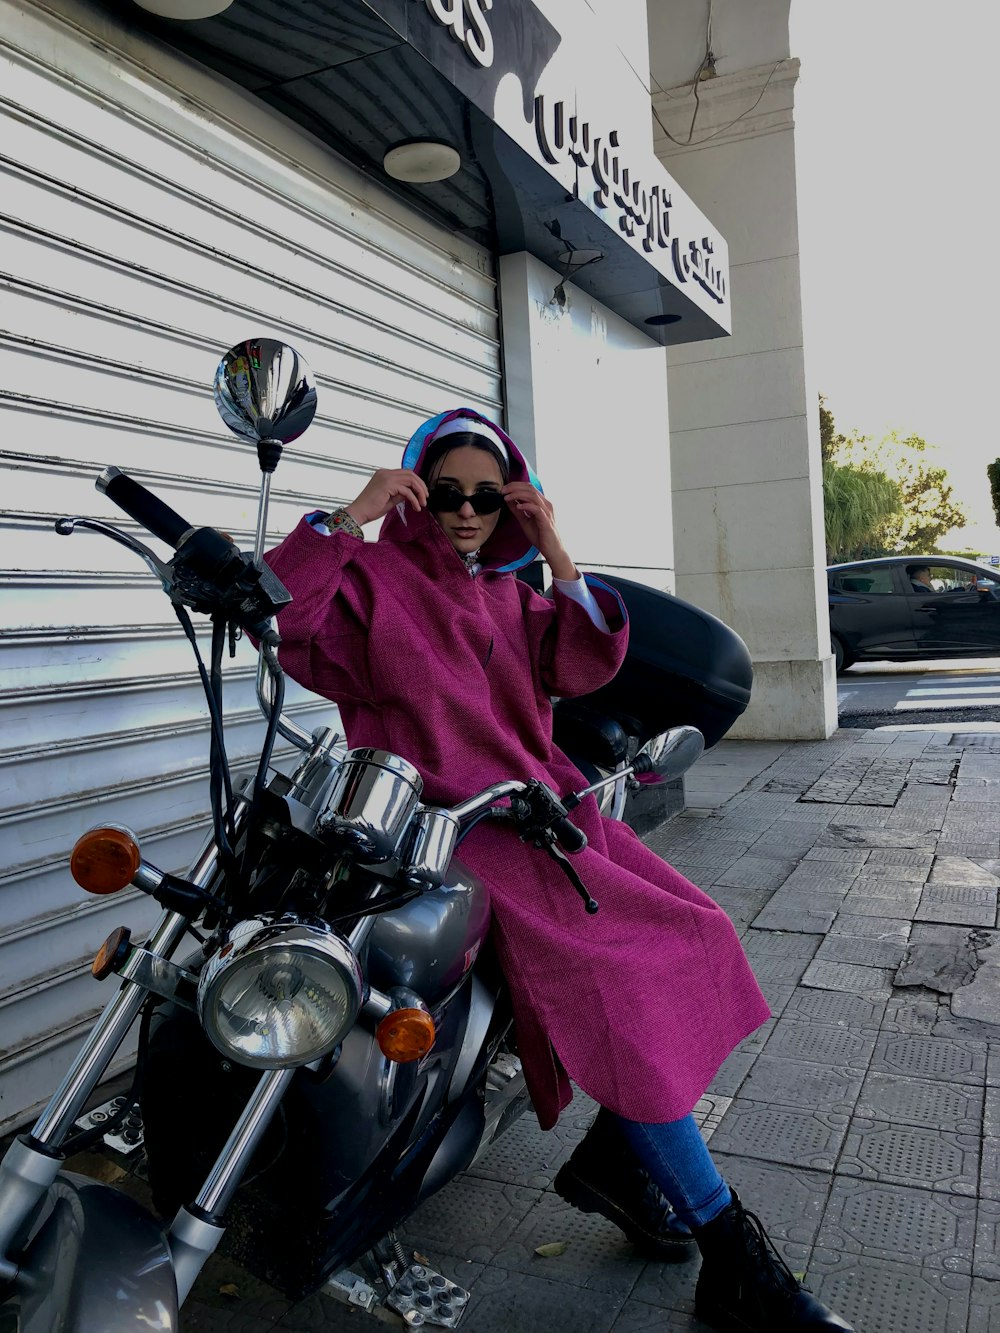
(569, 837)
(142, 505)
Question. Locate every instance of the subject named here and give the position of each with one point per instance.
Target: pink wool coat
(640, 1003)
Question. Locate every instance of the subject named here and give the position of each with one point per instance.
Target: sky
(897, 130)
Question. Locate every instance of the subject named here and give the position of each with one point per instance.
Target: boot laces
(762, 1251)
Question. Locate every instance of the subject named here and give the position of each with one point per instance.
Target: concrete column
(587, 401)
(747, 495)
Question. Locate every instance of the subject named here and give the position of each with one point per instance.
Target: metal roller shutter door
(148, 220)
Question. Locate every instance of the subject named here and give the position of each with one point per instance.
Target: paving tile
(961, 870)
(509, 1302)
(898, 1222)
(817, 815)
(987, 1254)
(839, 855)
(757, 1040)
(980, 999)
(774, 1132)
(886, 886)
(875, 872)
(876, 1296)
(771, 944)
(732, 1072)
(899, 907)
(989, 1170)
(529, 1156)
(822, 875)
(756, 872)
(932, 1159)
(899, 856)
(860, 816)
(740, 905)
(803, 1083)
(958, 904)
(788, 1200)
(916, 1101)
(835, 1009)
(638, 1317)
(598, 1257)
(950, 845)
(812, 917)
(784, 842)
(668, 1287)
(984, 1308)
(911, 1014)
(821, 1043)
(875, 982)
(871, 927)
(931, 1057)
(842, 835)
(472, 1217)
(867, 953)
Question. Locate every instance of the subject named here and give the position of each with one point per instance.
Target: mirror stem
(262, 504)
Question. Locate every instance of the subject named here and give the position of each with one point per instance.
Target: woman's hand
(387, 488)
(537, 519)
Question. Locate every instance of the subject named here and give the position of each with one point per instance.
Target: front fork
(33, 1161)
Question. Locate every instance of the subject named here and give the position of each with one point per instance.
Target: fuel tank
(432, 942)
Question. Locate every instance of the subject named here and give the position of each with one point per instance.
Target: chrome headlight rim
(247, 946)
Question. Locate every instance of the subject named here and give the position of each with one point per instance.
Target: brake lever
(67, 526)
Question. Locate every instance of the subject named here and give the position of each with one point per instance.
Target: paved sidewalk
(862, 1121)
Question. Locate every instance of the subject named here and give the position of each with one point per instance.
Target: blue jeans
(676, 1158)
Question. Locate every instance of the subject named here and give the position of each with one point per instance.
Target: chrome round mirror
(672, 753)
(264, 391)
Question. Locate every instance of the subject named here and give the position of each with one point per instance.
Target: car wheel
(843, 660)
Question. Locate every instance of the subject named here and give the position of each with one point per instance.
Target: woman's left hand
(537, 519)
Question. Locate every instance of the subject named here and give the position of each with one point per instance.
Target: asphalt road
(960, 691)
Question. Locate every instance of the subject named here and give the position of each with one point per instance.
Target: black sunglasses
(445, 499)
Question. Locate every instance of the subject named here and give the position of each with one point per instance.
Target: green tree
(929, 508)
(993, 472)
(859, 505)
(830, 443)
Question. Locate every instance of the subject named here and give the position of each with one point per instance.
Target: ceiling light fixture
(421, 161)
(184, 9)
(663, 319)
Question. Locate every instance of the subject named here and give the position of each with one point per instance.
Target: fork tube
(225, 1176)
(119, 1014)
(105, 1037)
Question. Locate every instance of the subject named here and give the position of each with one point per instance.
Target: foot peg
(422, 1296)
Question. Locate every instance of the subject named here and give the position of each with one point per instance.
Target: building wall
(587, 399)
(744, 434)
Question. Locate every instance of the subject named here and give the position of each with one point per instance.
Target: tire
(841, 656)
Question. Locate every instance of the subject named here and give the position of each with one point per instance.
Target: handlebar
(142, 505)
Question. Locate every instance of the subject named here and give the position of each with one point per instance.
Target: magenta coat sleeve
(324, 629)
(571, 654)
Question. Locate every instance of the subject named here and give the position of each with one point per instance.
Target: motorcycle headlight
(280, 992)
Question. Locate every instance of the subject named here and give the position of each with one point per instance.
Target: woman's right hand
(387, 488)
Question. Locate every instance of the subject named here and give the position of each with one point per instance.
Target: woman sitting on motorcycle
(435, 651)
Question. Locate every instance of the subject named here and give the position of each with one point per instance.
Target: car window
(954, 578)
(872, 582)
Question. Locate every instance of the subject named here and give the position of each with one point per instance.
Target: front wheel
(841, 656)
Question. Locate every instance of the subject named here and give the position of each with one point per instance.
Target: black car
(911, 606)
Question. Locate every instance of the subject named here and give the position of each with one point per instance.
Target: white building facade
(161, 199)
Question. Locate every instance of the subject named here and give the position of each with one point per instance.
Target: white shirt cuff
(577, 590)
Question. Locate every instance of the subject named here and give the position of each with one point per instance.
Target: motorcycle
(342, 1024)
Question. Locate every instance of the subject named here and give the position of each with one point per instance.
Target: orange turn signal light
(405, 1035)
(105, 860)
(112, 953)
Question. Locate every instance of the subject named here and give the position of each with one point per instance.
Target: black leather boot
(604, 1177)
(746, 1287)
